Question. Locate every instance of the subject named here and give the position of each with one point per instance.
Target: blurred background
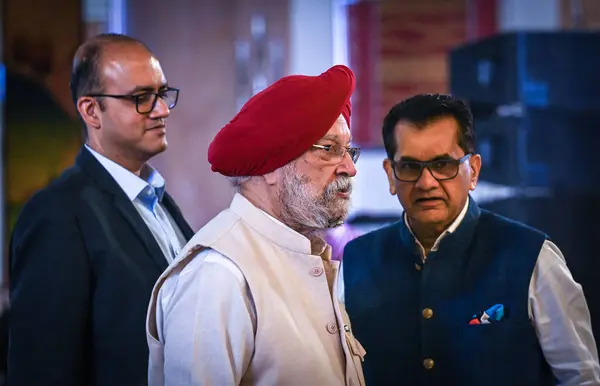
(529, 69)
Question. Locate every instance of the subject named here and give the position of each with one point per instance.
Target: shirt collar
(131, 184)
(155, 180)
(448, 230)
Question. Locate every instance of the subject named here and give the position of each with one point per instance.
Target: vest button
(427, 313)
(316, 271)
(428, 363)
(331, 327)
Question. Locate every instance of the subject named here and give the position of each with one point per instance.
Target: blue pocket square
(492, 315)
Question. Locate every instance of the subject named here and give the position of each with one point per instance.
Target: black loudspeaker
(541, 148)
(535, 99)
(537, 69)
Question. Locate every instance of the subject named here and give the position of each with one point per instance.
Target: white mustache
(340, 184)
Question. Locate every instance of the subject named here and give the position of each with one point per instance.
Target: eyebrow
(148, 88)
(436, 158)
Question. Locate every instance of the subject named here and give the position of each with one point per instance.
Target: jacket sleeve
(49, 299)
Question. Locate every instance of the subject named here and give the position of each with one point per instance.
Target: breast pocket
(480, 333)
(486, 345)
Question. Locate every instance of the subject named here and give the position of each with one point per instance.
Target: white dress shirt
(164, 229)
(558, 312)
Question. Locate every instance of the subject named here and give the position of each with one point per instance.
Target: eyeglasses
(146, 102)
(440, 169)
(336, 153)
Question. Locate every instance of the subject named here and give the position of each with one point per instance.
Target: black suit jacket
(82, 267)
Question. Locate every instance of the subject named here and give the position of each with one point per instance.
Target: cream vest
(303, 335)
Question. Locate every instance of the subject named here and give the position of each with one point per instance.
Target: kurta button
(316, 271)
(331, 327)
(428, 363)
(427, 313)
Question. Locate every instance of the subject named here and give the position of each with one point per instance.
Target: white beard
(300, 209)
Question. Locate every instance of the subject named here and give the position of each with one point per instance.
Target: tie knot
(148, 197)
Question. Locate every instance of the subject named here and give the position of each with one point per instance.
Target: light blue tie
(149, 199)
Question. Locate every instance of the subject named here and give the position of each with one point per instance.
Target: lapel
(175, 213)
(104, 181)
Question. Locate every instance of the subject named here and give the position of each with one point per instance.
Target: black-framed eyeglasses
(146, 102)
(336, 153)
(441, 169)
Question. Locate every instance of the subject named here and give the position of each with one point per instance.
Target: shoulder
(498, 222)
(62, 189)
(210, 260)
(57, 195)
(206, 265)
(56, 203)
(208, 273)
(512, 237)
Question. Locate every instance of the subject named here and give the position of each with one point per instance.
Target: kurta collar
(448, 230)
(276, 231)
(460, 235)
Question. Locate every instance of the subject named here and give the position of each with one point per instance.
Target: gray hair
(238, 182)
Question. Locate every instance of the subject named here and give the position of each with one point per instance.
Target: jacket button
(331, 327)
(427, 313)
(316, 271)
(428, 363)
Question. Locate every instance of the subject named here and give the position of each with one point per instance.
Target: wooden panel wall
(196, 44)
(411, 42)
(583, 14)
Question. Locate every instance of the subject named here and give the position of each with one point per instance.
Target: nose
(347, 166)
(426, 181)
(161, 109)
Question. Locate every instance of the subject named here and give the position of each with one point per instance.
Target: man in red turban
(250, 299)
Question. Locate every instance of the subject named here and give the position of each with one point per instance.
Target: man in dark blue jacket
(452, 294)
(87, 249)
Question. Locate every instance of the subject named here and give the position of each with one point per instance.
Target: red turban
(281, 122)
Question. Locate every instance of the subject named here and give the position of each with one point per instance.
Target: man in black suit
(87, 250)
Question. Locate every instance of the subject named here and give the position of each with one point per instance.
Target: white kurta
(254, 307)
